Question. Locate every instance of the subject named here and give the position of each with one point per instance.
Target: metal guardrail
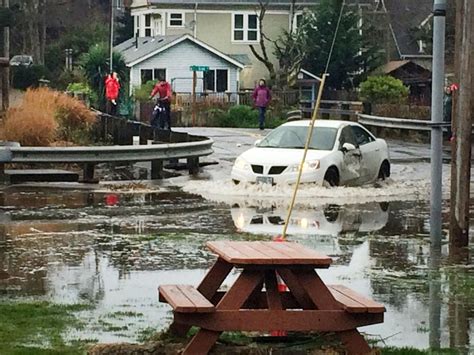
(102, 154)
(165, 145)
(398, 123)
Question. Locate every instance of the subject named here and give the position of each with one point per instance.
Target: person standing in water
(261, 98)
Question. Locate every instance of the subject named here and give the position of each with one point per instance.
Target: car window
(347, 136)
(361, 136)
(323, 138)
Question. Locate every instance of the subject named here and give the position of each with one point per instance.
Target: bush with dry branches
(45, 117)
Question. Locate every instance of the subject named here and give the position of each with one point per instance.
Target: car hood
(280, 156)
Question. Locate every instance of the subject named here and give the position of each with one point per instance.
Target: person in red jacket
(112, 89)
(162, 109)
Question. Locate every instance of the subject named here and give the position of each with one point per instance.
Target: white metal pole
(111, 66)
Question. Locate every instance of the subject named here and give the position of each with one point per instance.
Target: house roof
(248, 2)
(404, 16)
(151, 46)
(392, 66)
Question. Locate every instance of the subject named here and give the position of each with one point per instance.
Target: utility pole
(6, 69)
(112, 15)
(461, 171)
(439, 31)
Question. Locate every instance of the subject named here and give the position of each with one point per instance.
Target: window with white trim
(147, 75)
(175, 19)
(148, 25)
(245, 28)
(216, 80)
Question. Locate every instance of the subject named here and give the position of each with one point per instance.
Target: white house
(171, 57)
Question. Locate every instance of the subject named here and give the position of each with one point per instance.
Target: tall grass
(45, 117)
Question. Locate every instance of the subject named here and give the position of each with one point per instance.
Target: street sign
(198, 68)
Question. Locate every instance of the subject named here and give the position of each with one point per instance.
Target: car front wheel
(331, 177)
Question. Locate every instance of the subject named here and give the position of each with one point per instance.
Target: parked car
(21, 60)
(341, 153)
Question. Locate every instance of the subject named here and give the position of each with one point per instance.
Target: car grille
(276, 170)
(257, 169)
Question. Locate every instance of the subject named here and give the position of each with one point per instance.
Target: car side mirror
(257, 142)
(347, 147)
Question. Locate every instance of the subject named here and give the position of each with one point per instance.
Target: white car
(341, 153)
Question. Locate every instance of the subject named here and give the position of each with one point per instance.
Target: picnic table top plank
(372, 306)
(268, 253)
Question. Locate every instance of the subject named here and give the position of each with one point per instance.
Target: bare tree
(288, 48)
(263, 57)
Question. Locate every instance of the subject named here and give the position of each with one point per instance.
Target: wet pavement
(112, 249)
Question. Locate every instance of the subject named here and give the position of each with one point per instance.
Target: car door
(350, 169)
(370, 150)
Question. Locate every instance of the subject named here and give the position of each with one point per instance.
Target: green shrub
(25, 77)
(241, 116)
(383, 89)
(142, 93)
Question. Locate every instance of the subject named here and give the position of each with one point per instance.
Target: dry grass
(46, 116)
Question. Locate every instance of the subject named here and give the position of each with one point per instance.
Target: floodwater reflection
(71, 246)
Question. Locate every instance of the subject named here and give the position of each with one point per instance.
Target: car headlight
(241, 164)
(307, 166)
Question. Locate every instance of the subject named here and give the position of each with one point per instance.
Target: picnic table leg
(208, 287)
(238, 294)
(323, 299)
(354, 342)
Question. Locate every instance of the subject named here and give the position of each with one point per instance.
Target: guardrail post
(4, 179)
(88, 173)
(193, 165)
(156, 169)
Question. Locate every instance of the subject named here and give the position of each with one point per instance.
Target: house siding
(215, 29)
(177, 61)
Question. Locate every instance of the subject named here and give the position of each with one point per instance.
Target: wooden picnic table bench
(255, 303)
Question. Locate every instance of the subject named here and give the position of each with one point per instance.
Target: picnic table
(255, 303)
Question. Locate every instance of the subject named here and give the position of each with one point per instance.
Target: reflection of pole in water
(435, 298)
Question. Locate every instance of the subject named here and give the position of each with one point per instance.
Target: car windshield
(295, 137)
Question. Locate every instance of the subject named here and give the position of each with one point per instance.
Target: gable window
(148, 25)
(147, 75)
(216, 80)
(245, 28)
(175, 19)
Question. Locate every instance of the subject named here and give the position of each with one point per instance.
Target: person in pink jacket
(261, 98)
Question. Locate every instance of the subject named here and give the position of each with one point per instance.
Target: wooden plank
(267, 253)
(289, 320)
(316, 290)
(201, 304)
(273, 295)
(214, 278)
(173, 295)
(202, 342)
(372, 306)
(354, 342)
(185, 299)
(240, 291)
(299, 254)
(296, 289)
(348, 303)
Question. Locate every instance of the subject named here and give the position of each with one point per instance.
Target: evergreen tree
(348, 55)
(125, 27)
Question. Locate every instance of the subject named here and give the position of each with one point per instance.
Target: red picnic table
(254, 303)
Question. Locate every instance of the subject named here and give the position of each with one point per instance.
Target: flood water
(75, 246)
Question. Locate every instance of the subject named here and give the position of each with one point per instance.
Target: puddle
(113, 252)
